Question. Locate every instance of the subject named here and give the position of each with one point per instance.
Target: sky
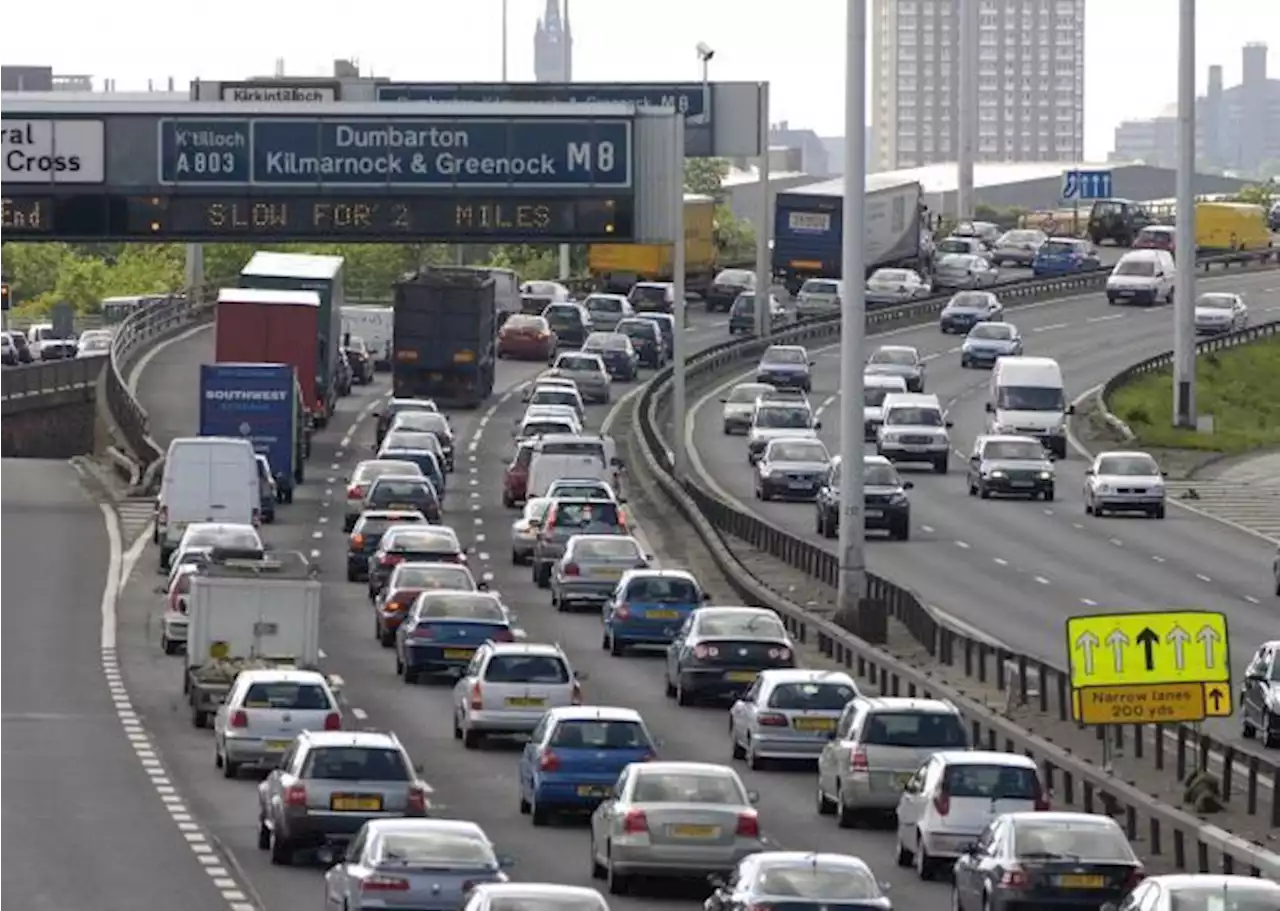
(1131, 46)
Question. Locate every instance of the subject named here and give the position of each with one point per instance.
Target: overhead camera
(705, 51)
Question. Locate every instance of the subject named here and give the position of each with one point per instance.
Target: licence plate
(686, 831)
(915, 448)
(799, 485)
(1124, 294)
(613, 574)
(662, 614)
(524, 702)
(592, 790)
(279, 745)
(873, 513)
(814, 724)
(400, 506)
(1079, 881)
(1022, 483)
(459, 652)
(740, 676)
(370, 803)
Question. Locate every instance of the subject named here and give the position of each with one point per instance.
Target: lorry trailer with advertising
(257, 402)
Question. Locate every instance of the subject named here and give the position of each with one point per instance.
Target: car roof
(870, 458)
(575, 540)
(802, 675)
(423, 824)
(370, 739)
(909, 704)
(671, 765)
(985, 757)
(406, 514)
(282, 675)
(597, 295)
(1125, 453)
(220, 526)
(527, 648)
(737, 609)
(537, 890)
(1006, 438)
(1052, 816)
(809, 857)
(911, 348)
(654, 572)
(884, 379)
(594, 713)
(653, 285)
(1175, 880)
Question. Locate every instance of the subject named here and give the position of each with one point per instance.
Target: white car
(560, 395)
(819, 297)
(1219, 312)
(1124, 482)
(875, 386)
(507, 689)
(740, 405)
(775, 420)
(1189, 891)
(548, 378)
(896, 286)
(1142, 277)
(950, 800)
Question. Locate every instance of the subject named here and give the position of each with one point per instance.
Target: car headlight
(997, 427)
(1104, 488)
(1046, 475)
(1158, 488)
(898, 499)
(997, 474)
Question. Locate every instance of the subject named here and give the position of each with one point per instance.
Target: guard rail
(1018, 675)
(32, 380)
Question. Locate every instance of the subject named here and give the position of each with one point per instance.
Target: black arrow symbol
(1148, 639)
(1215, 695)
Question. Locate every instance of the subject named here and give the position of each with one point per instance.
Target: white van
(557, 456)
(914, 429)
(374, 326)
(206, 479)
(875, 388)
(1027, 398)
(1142, 277)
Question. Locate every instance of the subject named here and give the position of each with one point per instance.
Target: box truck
(258, 402)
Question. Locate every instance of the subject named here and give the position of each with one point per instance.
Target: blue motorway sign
(476, 152)
(691, 99)
(1078, 184)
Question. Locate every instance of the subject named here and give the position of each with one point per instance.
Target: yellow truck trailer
(619, 266)
(1231, 227)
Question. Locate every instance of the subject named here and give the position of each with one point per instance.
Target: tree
(705, 176)
(1258, 194)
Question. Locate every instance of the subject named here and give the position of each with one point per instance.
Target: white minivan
(1027, 398)
(1142, 277)
(206, 479)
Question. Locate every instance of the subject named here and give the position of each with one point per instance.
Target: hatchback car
(726, 286)
(800, 880)
(786, 367)
(368, 531)
(740, 405)
(791, 469)
(646, 338)
(898, 360)
(605, 310)
(1017, 247)
(879, 744)
(395, 406)
(264, 711)
(1010, 465)
(773, 420)
(648, 607)
(1220, 312)
(1124, 482)
(567, 518)
(1063, 256)
(720, 651)
(442, 631)
(959, 270)
(412, 544)
(886, 504)
(788, 714)
(961, 245)
(566, 396)
(954, 796)
(1157, 237)
(652, 296)
(616, 352)
(508, 687)
(329, 784)
(742, 315)
(515, 477)
(987, 342)
(666, 324)
(583, 489)
(588, 373)
(428, 422)
(588, 571)
(408, 580)
(875, 387)
(395, 492)
(1200, 892)
(89, 346)
(673, 819)
(896, 286)
(362, 478)
(527, 337)
(570, 322)
(819, 297)
(505, 896)
(968, 308)
(423, 863)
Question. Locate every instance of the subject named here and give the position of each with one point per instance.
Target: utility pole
(566, 55)
(680, 341)
(764, 268)
(967, 128)
(1184, 310)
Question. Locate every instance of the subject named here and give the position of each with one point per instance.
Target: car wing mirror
(724, 401)
(506, 861)
(418, 768)
(579, 675)
(1088, 472)
(377, 414)
(1163, 474)
(1071, 409)
(908, 485)
(949, 424)
(817, 425)
(989, 408)
(482, 586)
(161, 590)
(706, 596)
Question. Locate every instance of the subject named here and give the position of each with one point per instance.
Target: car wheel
(1247, 729)
(616, 646)
(457, 727)
(1268, 739)
(264, 836)
(1158, 512)
(683, 696)
(1047, 494)
(387, 639)
(735, 748)
(825, 805)
(471, 739)
(902, 532)
(904, 857)
(281, 850)
(765, 493)
(597, 868)
(846, 816)
(925, 865)
(670, 687)
(617, 883)
(983, 492)
(754, 762)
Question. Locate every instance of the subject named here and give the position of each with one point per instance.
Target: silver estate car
(789, 713)
(590, 568)
(587, 372)
(673, 819)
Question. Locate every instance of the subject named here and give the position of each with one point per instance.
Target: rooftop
(942, 177)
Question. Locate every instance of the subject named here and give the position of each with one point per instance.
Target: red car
(526, 337)
(1156, 237)
(515, 480)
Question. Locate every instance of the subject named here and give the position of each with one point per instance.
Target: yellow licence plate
(524, 702)
(814, 724)
(1077, 881)
(685, 831)
(459, 652)
(352, 803)
(662, 614)
(606, 573)
(593, 790)
(740, 676)
(280, 745)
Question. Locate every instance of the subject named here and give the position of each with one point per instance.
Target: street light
(705, 53)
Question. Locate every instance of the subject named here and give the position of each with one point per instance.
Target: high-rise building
(1030, 81)
(553, 45)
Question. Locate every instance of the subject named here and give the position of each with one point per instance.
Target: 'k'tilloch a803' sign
(424, 153)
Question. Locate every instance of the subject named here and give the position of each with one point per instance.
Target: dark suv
(1117, 220)
(886, 506)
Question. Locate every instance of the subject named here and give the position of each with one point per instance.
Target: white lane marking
(1116, 541)
(360, 714)
(1157, 558)
(1089, 601)
(963, 545)
(1251, 599)
(1000, 561)
(1203, 578)
(1050, 327)
(927, 529)
(1103, 319)
(228, 886)
(1042, 580)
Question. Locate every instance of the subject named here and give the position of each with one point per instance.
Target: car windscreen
(287, 695)
(938, 730)
(560, 316)
(374, 525)
(1058, 247)
(798, 452)
(815, 286)
(655, 293)
(1237, 896)
(1030, 398)
(581, 515)
(969, 300)
(798, 418)
(742, 394)
(873, 396)
(740, 624)
(579, 362)
(545, 903)
(991, 782)
(891, 276)
(811, 696)
(611, 550)
(991, 332)
(526, 669)
(736, 277)
(353, 763)
(435, 849)
(412, 541)
(897, 356)
(430, 421)
(1142, 268)
(603, 304)
(460, 606)
(663, 590)
(411, 439)
(537, 428)
(784, 356)
(1028, 450)
(1070, 841)
(574, 447)
(1128, 466)
(818, 882)
(389, 489)
(1020, 237)
(436, 578)
(546, 396)
(910, 416)
(881, 476)
(1216, 301)
(638, 328)
(231, 538)
(525, 321)
(953, 246)
(687, 787)
(745, 304)
(599, 734)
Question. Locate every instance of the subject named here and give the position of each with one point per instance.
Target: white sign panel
(54, 151)
(269, 93)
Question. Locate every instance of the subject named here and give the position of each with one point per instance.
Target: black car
(368, 532)
(617, 353)
(650, 297)
(404, 493)
(720, 651)
(570, 322)
(666, 323)
(423, 544)
(1260, 695)
(726, 287)
(431, 464)
(886, 506)
(1117, 220)
(388, 414)
(646, 338)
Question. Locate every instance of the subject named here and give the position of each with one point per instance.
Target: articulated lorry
(444, 337)
(616, 267)
(808, 230)
(263, 403)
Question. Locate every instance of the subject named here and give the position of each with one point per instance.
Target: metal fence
(1026, 678)
(33, 380)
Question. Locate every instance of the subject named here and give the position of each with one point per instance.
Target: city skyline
(755, 44)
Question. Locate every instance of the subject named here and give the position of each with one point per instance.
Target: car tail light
(650, 756)
(257, 518)
(548, 761)
(942, 801)
(1042, 797)
(459, 558)
(576, 699)
(773, 720)
(748, 825)
(858, 760)
(379, 883)
(1013, 878)
(295, 795)
(333, 722)
(417, 799)
(571, 569)
(239, 719)
(355, 492)
(702, 652)
(780, 654)
(503, 634)
(1135, 876)
(477, 697)
(421, 631)
(163, 515)
(390, 559)
(622, 612)
(357, 542)
(635, 822)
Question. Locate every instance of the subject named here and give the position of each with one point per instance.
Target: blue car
(648, 607)
(575, 755)
(444, 629)
(1064, 256)
(786, 367)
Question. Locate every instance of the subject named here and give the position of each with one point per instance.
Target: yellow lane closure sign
(1111, 650)
(1145, 704)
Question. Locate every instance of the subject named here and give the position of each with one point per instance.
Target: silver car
(964, 270)
(587, 372)
(1124, 482)
(508, 687)
(819, 297)
(583, 489)
(589, 570)
(505, 896)
(1220, 312)
(329, 784)
(986, 343)
(898, 360)
(791, 469)
(524, 530)
(673, 819)
(1018, 247)
(605, 310)
(740, 405)
(878, 745)
(799, 879)
(778, 420)
(549, 377)
(362, 479)
(896, 286)
(263, 713)
(1179, 891)
(789, 713)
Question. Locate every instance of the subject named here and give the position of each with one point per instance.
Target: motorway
(1015, 569)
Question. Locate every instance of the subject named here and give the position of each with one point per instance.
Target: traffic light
(4, 297)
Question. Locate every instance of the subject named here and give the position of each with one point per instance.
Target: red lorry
(273, 327)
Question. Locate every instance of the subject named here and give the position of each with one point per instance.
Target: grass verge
(1240, 387)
